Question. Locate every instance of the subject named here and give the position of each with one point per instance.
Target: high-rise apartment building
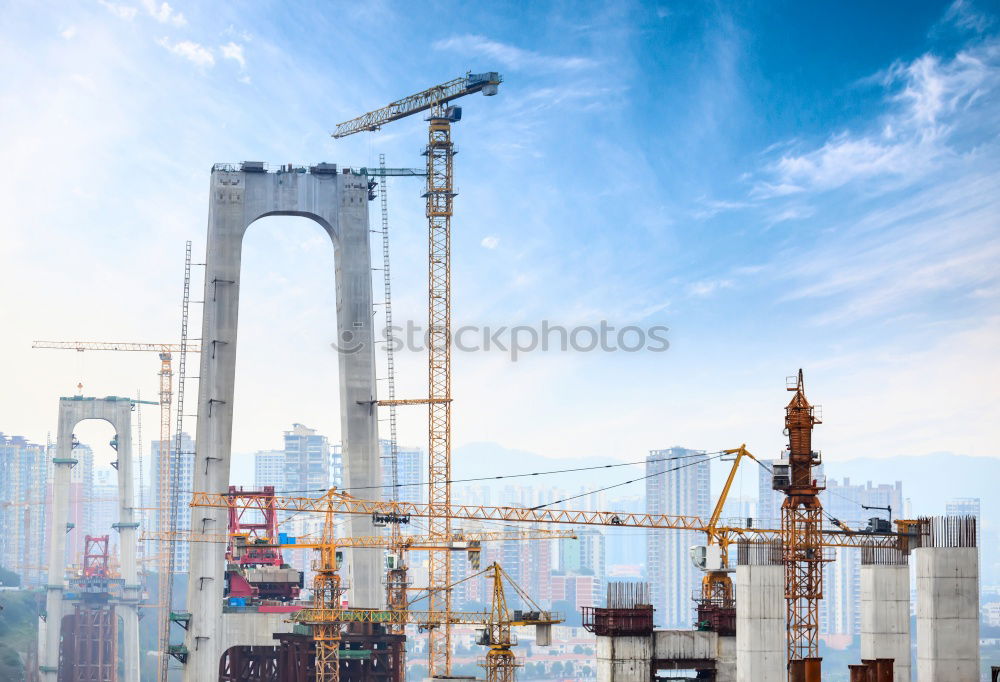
(81, 494)
(182, 473)
(269, 469)
(678, 483)
(307, 462)
(24, 487)
(410, 472)
(585, 555)
(104, 504)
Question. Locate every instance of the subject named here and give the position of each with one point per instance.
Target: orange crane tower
(802, 538)
(440, 196)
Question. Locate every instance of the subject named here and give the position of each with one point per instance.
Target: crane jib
(422, 101)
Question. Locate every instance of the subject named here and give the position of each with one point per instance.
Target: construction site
(358, 611)
(417, 543)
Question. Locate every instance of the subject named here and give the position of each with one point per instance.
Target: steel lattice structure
(802, 535)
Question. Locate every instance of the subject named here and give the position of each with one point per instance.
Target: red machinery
(89, 649)
(255, 568)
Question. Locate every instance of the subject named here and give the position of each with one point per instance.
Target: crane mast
(802, 539)
(439, 195)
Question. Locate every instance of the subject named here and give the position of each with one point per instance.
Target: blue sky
(783, 185)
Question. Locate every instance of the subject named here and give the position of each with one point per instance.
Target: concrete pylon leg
(339, 203)
(56, 580)
(130, 636)
(885, 609)
(760, 614)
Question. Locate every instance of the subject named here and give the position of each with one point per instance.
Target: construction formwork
(368, 654)
(89, 646)
(947, 573)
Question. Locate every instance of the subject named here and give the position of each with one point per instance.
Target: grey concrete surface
(760, 623)
(947, 613)
(885, 616)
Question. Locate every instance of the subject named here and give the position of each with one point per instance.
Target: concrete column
(56, 581)
(947, 571)
(625, 659)
(339, 203)
(761, 639)
(885, 609)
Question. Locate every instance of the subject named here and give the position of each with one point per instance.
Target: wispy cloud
(925, 96)
(706, 288)
(964, 15)
(189, 50)
(164, 13)
(511, 56)
(234, 51)
(126, 12)
(490, 242)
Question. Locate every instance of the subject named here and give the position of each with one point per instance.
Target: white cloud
(961, 13)
(926, 96)
(234, 51)
(125, 12)
(708, 287)
(511, 56)
(193, 52)
(490, 242)
(69, 33)
(164, 13)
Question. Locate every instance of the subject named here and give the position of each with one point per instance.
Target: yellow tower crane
(166, 376)
(440, 196)
(328, 615)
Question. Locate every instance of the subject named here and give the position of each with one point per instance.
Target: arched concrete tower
(117, 412)
(339, 203)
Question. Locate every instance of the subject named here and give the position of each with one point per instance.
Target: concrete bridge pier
(885, 608)
(947, 571)
(760, 614)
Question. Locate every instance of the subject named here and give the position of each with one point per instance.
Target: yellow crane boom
(342, 503)
(414, 543)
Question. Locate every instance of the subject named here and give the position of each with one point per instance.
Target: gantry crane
(440, 194)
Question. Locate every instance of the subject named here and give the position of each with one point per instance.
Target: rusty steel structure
(89, 647)
(369, 653)
(802, 535)
(629, 611)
